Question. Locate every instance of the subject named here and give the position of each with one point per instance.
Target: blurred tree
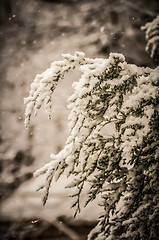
(152, 36)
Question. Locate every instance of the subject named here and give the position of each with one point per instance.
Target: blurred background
(34, 33)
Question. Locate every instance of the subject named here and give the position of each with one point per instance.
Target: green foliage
(121, 167)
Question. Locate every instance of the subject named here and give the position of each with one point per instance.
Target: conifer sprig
(120, 166)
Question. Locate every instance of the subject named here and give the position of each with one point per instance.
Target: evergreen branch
(152, 36)
(123, 166)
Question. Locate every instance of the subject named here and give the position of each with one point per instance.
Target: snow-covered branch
(110, 91)
(152, 36)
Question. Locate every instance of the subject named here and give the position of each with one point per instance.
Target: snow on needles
(109, 91)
